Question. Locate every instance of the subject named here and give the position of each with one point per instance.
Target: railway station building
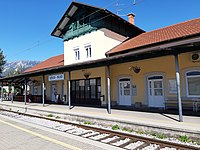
(108, 61)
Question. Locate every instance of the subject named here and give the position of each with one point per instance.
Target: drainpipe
(178, 88)
(43, 89)
(12, 93)
(69, 96)
(25, 91)
(108, 86)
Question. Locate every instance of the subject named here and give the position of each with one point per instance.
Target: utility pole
(117, 7)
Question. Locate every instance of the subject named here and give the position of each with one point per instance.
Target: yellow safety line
(42, 136)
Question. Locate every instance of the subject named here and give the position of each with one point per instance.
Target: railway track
(122, 140)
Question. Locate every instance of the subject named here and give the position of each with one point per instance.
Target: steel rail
(112, 133)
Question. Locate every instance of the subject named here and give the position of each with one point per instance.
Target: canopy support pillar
(178, 88)
(108, 87)
(69, 89)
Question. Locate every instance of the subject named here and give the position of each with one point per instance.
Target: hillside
(16, 66)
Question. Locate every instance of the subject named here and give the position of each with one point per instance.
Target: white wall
(101, 41)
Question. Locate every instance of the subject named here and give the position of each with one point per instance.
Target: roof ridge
(53, 61)
(156, 30)
(172, 32)
(186, 21)
(54, 56)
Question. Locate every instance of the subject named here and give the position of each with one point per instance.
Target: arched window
(193, 83)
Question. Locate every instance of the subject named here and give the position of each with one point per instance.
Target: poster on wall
(172, 86)
(81, 82)
(134, 90)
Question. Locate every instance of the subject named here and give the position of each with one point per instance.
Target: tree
(2, 60)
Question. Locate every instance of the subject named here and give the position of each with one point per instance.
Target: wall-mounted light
(86, 74)
(136, 69)
(30, 83)
(33, 83)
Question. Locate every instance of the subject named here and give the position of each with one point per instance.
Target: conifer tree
(2, 60)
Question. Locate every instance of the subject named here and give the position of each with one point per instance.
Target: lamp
(32, 82)
(86, 74)
(136, 69)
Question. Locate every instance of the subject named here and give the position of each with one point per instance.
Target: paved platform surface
(19, 135)
(190, 123)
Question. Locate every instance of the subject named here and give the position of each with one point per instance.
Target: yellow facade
(75, 75)
(38, 86)
(47, 86)
(164, 66)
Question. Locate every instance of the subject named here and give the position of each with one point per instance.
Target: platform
(157, 120)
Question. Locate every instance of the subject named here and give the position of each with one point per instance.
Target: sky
(26, 25)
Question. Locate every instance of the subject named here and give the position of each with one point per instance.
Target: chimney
(131, 18)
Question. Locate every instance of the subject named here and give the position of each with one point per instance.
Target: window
(77, 54)
(88, 51)
(86, 91)
(193, 83)
(155, 85)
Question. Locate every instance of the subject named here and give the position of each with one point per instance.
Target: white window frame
(77, 53)
(88, 50)
(187, 90)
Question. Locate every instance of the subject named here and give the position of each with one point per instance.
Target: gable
(79, 24)
(80, 19)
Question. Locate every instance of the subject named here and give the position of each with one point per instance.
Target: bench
(187, 102)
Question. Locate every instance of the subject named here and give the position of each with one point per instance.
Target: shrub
(140, 132)
(161, 136)
(58, 117)
(49, 115)
(184, 138)
(88, 122)
(127, 129)
(115, 127)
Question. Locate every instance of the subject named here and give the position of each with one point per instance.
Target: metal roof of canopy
(10, 80)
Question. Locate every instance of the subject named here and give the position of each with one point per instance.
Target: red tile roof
(52, 62)
(180, 30)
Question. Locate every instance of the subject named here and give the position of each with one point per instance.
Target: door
(86, 91)
(125, 92)
(155, 91)
(53, 92)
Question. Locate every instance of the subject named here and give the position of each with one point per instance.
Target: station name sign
(56, 77)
